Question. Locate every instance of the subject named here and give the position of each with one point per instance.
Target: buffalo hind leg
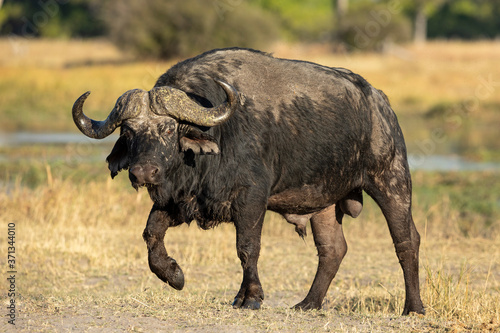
(248, 236)
(392, 192)
(331, 245)
(165, 267)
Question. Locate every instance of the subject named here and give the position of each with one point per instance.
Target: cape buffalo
(231, 133)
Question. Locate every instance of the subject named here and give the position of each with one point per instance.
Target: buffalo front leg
(329, 240)
(165, 267)
(248, 235)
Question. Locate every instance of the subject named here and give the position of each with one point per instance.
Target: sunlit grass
(80, 254)
(45, 77)
(448, 87)
(80, 251)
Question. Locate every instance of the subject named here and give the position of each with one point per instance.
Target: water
(449, 163)
(417, 162)
(25, 138)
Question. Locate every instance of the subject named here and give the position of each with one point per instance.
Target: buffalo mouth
(148, 186)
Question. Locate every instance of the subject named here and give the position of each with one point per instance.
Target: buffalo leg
(248, 235)
(331, 245)
(392, 192)
(165, 267)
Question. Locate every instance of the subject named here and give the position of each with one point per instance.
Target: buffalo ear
(118, 158)
(198, 142)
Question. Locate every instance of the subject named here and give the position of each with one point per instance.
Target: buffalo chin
(147, 186)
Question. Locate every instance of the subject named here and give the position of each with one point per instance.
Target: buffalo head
(155, 125)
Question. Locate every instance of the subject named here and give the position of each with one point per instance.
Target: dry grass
(418, 77)
(415, 78)
(41, 80)
(456, 83)
(83, 265)
(56, 53)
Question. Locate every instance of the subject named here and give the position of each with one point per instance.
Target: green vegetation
(159, 29)
(301, 20)
(51, 18)
(164, 29)
(466, 201)
(466, 19)
(370, 26)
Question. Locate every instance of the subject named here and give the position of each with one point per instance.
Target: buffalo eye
(167, 129)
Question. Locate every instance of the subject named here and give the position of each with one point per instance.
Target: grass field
(82, 263)
(450, 88)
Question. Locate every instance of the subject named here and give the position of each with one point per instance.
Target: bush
(466, 19)
(51, 18)
(369, 26)
(301, 20)
(164, 29)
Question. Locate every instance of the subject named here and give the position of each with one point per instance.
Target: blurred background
(163, 29)
(438, 61)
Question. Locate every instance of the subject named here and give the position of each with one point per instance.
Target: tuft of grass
(457, 296)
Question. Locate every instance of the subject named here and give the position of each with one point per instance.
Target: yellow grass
(81, 261)
(425, 75)
(459, 82)
(31, 52)
(40, 80)
(415, 78)
(82, 264)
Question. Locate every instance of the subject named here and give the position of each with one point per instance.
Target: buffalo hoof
(247, 303)
(249, 297)
(418, 310)
(307, 306)
(168, 271)
(177, 279)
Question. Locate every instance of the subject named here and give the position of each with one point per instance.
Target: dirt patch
(82, 322)
(224, 319)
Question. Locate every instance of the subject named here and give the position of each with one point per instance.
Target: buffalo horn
(176, 103)
(101, 129)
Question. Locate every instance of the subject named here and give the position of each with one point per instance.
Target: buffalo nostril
(153, 174)
(137, 172)
(143, 174)
(149, 172)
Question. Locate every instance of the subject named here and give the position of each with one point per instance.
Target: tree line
(165, 28)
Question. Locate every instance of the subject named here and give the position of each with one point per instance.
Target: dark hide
(304, 141)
